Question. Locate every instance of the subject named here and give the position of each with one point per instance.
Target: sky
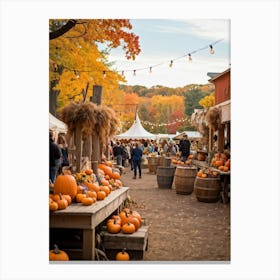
(163, 40)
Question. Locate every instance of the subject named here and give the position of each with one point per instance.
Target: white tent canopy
(57, 125)
(136, 131)
(191, 135)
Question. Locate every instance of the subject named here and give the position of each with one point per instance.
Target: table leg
(89, 244)
(225, 189)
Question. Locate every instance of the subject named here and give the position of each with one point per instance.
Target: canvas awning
(192, 135)
(136, 131)
(57, 125)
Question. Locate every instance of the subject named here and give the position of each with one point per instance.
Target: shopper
(136, 155)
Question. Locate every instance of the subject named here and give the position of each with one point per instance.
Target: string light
(211, 49)
(156, 65)
(104, 74)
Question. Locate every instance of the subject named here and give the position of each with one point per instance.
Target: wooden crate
(135, 243)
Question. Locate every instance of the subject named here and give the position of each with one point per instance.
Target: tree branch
(65, 28)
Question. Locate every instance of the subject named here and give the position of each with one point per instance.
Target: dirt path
(180, 227)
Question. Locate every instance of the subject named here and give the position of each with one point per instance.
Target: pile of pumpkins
(188, 162)
(221, 161)
(128, 221)
(83, 187)
(207, 173)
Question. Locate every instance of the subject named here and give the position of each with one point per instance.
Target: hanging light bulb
(150, 71)
(76, 73)
(190, 57)
(104, 74)
(211, 49)
(171, 63)
(122, 73)
(134, 72)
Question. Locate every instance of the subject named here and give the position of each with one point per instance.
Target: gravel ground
(180, 227)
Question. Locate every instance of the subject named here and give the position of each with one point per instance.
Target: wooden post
(97, 95)
(96, 98)
(221, 138)
(78, 144)
(210, 144)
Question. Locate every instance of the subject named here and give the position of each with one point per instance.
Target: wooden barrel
(152, 164)
(165, 176)
(161, 160)
(207, 189)
(184, 179)
(164, 161)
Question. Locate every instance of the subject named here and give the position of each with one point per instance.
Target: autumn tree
(207, 101)
(192, 98)
(76, 62)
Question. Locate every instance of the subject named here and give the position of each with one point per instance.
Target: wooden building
(223, 103)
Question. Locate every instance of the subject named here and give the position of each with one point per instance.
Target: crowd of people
(129, 152)
(126, 153)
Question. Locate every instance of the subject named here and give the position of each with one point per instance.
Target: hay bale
(213, 118)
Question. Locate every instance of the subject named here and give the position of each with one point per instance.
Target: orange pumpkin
(226, 169)
(115, 175)
(88, 201)
(128, 228)
(92, 194)
(133, 220)
(68, 198)
(122, 256)
(58, 255)
(104, 182)
(219, 163)
(65, 184)
(124, 215)
(101, 195)
(137, 215)
(113, 226)
(88, 171)
(221, 168)
(53, 205)
(62, 203)
(227, 164)
(106, 189)
(80, 196)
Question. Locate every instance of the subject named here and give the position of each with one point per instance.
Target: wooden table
(225, 181)
(77, 216)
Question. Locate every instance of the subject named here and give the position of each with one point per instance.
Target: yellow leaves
(207, 101)
(81, 62)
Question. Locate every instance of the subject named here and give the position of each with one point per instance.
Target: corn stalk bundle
(213, 118)
(91, 119)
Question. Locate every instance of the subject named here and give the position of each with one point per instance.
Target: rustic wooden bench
(86, 218)
(135, 243)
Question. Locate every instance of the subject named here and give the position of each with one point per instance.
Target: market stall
(77, 216)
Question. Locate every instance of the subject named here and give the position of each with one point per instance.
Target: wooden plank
(135, 241)
(89, 244)
(71, 221)
(77, 215)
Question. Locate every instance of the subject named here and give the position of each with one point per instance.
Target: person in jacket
(136, 155)
(117, 152)
(185, 145)
(54, 160)
(62, 144)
